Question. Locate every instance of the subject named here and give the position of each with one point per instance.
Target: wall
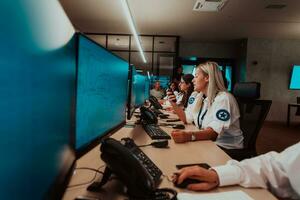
(209, 49)
(274, 63)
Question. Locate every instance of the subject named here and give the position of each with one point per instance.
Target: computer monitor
(36, 93)
(139, 85)
(130, 95)
(147, 88)
(101, 94)
(164, 81)
(137, 94)
(295, 78)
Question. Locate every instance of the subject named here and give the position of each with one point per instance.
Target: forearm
(248, 173)
(179, 112)
(205, 134)
(265, 171)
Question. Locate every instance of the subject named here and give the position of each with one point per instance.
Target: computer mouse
(178, 126)
(186, 182)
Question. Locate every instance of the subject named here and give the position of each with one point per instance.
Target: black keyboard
(156, 111)
(155, 132)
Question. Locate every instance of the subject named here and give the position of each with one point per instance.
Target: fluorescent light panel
(132, 27)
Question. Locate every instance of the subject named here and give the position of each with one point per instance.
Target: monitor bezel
(61, 181)
(290, 81)
(130, 109)
(97, 140)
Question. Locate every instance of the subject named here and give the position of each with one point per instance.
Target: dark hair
(187, 78)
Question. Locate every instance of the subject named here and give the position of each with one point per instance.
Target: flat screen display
(295, 78)
(139, 89)
(37, 91)
(101, 92)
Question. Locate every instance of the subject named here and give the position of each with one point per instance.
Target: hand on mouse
(209, 178)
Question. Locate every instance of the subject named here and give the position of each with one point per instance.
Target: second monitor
(139, 91)
(101, 94)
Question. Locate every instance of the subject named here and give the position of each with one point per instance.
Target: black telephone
(132, 167)
(154, 102)
(148, 116)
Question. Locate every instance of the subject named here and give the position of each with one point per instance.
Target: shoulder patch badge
(223, 115)
(191, 100)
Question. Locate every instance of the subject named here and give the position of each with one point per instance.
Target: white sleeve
(222, 116)
(277, 171)
(189, 109)
(179, 98)
(188, 116)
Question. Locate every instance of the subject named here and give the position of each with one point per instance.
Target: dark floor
(276, 137)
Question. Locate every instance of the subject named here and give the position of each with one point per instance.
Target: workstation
(79, 106)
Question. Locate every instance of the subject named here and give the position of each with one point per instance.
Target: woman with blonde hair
(214, 111)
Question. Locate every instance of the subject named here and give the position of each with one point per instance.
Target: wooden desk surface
(165, 159)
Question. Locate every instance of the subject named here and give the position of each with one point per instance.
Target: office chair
(253, 113)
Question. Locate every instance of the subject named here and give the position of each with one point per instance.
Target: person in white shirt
(157, 91)
(215, 112)
(278, 172)
(174, 89)
(186, 89)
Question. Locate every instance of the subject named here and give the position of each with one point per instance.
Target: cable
(92, 169)
(88, 182)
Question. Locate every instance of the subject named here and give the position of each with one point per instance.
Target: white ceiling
(238, 19)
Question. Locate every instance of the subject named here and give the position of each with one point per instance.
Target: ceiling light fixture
(132, 27)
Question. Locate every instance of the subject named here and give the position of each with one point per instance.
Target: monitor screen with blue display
(139, 89)
(164, 81)
(101, 94)
(131, 95)
(147, 87)
(37, 90)
(295, 78)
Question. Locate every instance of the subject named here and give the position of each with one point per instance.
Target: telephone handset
(154, 102)
(148, 116)
(132, 167)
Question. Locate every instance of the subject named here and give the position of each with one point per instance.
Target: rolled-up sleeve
(277, 171)
(222, 116)
(189, 116)
(228, 174)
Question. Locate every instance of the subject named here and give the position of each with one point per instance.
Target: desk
(289, 110)
(165, 159)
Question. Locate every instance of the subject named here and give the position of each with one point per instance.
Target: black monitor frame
(60, 183)
(96, 141)
(130, 110)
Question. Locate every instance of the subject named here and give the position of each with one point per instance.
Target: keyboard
(155, 132)
(156, 111)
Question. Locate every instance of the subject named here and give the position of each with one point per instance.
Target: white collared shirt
(159, 94)
(195, 96)
(278, 172)
(223, 117)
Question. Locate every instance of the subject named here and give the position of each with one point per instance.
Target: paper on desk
(232, 195)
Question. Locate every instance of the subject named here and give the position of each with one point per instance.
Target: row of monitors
(138, 90)
(57, 101)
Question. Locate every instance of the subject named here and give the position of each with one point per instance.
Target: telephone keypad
(153, 170)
